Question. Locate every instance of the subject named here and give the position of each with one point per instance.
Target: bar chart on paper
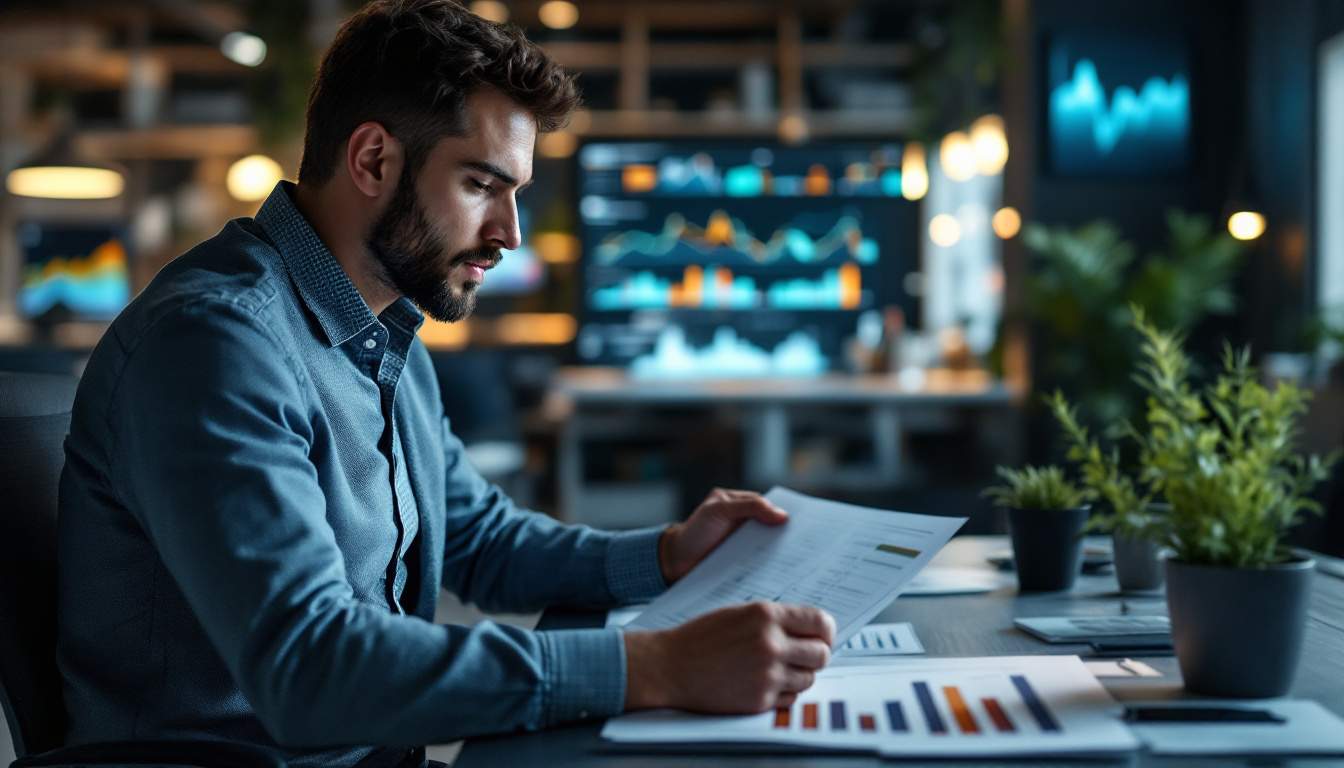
(928, 707)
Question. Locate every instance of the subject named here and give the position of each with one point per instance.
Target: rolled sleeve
(584, 674)
(633, 572)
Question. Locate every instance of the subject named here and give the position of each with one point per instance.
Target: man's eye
(482, 186)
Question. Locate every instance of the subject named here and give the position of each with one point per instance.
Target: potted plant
(1224, 458)
(1046, 515)
(1130, 515)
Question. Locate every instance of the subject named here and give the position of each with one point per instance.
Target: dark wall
(1281, 127)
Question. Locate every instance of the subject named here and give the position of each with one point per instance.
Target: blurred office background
(843, 245)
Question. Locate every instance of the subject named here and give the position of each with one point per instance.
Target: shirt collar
(323, 284)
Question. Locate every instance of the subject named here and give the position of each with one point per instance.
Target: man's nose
(502, 230)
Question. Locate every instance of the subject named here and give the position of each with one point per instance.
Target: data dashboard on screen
(713, 258)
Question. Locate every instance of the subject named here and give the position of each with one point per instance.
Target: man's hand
(683, 545)
(739, 660)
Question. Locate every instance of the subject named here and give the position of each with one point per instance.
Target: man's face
(445, 225)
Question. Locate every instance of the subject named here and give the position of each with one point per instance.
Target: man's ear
(374, 159)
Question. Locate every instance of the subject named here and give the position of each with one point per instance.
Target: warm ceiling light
(557, 144)
(558, 14)
(957, 156)
(914, 172)
(990, 144)
(243, 48)
(65, 182)
(1246, 225)
(1007, 222)
(793, 129)
(944, 230)
(490, 10)
(252, 178)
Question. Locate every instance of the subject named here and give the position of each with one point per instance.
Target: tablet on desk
(1088, 629)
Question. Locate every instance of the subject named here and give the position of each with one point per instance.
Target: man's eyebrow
(496, 171)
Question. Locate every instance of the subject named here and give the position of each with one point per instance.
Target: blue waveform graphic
(726, 240)
(646, 290)
(728, 356)
(1127, 131)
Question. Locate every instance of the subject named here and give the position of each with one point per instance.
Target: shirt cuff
(633, 572)
(585, 674)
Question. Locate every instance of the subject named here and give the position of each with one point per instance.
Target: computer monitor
(1117, 105)
(714, 258)
(73, 271)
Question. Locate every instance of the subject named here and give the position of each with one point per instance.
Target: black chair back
(34, 419)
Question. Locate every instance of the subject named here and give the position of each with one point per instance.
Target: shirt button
(370, 343)
(583, 714)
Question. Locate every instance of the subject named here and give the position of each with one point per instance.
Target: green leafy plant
(1083, 281)
(1126, 506)
(1223, 456)
(1044, 488)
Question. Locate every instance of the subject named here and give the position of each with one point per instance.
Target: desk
(607, 404)
(966, 625)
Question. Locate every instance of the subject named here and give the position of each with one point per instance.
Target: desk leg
(887, 441)
(767, 446)
(570, 470)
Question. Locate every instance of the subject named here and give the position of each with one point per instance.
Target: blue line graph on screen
(1141, 128)
(725, 239)
(728, 356)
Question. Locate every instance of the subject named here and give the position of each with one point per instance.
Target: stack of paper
(975, 707)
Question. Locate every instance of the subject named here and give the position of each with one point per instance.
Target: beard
(410, 255)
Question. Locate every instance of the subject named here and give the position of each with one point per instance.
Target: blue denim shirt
(260, 501)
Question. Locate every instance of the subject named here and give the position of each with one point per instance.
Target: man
(262, 497)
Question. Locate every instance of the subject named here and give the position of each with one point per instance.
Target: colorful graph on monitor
(1114, 111)
(726, 239)
(80, 270)
(783, 246)
(761, 171)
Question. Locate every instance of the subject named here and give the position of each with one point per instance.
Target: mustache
(482, 255)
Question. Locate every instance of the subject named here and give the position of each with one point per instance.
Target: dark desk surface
(963, 625)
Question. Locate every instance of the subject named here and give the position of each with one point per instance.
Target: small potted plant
(1046, 515)
(1131, 517)
(1224, 458)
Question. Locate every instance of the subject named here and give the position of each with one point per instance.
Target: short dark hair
(410, 65)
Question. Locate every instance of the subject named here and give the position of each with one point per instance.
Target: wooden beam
(177, 142)
(634, 72)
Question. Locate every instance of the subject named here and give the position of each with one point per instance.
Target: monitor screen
(73, 271)
(738, 259)
(1117, 106)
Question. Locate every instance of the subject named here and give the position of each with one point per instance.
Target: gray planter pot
(1047, 547)
(1238, 631)
(1138, 565)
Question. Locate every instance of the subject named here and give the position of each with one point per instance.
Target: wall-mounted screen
(73, 271)
(1117, 105)
(738, 259)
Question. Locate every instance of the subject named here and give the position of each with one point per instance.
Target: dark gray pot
(1138, 568)
(1238, 631)
(1047, 547)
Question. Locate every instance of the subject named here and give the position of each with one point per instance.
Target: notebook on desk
(1137, 630)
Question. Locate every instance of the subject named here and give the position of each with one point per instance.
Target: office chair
(34, 419)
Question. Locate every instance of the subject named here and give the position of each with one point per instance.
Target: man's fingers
(808, 653)
(797, 680)
(753, 507)
(806, 621)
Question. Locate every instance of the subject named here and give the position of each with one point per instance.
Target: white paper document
(850, 561)
(975, 707)
(1309, 729)
(882, 640)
